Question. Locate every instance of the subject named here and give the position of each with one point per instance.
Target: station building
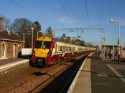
(10, 45)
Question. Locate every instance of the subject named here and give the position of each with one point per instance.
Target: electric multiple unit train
(49, 51)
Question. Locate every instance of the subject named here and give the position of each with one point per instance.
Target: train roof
(56, 40)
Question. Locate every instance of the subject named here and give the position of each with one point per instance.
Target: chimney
(1, 19)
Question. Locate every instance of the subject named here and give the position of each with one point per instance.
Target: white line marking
(10, 65)
(118, 74)
(76, 77)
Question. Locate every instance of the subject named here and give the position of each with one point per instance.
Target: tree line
(21, 27)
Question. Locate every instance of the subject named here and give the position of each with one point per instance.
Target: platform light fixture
(32, 35)
(118, 21)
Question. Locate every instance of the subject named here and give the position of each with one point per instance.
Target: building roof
(5, 35)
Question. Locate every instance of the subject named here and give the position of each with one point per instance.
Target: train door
(63, 49)
(54, 51)
(55, 48)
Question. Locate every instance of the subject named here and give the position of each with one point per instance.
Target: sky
(60, 14)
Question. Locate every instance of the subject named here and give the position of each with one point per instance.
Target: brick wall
(12, 48)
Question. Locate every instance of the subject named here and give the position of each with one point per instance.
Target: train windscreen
(38, 44)
(46, 45)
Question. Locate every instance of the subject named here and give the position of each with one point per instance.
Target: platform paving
(104, 79)
(10, 64)
(9, 60)
(99, 76)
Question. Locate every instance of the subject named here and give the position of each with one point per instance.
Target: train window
(38, 44)
(72, 48)
(46, 44)
(63, 48)
(60, 48)
(69, 48)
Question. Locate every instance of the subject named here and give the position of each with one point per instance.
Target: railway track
(62, 83)
(32, 80)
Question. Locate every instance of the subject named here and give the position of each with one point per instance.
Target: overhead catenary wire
(67, 12)
(69, 16)
(87, 13)
(25, 8)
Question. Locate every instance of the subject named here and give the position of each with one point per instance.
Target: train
(47, 50)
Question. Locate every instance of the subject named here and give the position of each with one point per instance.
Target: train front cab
(41, 50)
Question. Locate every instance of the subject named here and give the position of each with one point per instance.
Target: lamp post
(23, 40)
(103, 47)
(54, 34)
(37, 34)
(118, 38)
(104, 44)
(71, 41)
(32, 35)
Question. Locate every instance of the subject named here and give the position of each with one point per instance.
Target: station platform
(7, 65)
(99, 76)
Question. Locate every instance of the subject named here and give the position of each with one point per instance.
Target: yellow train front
(42, 49)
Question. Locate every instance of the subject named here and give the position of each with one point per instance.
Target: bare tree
(82, 43)
(63, 37)
(37, 29)
(68, 39)
(49, 32)
(37, 26)
(22, 26)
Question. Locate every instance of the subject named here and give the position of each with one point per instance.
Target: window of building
(3, 50)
